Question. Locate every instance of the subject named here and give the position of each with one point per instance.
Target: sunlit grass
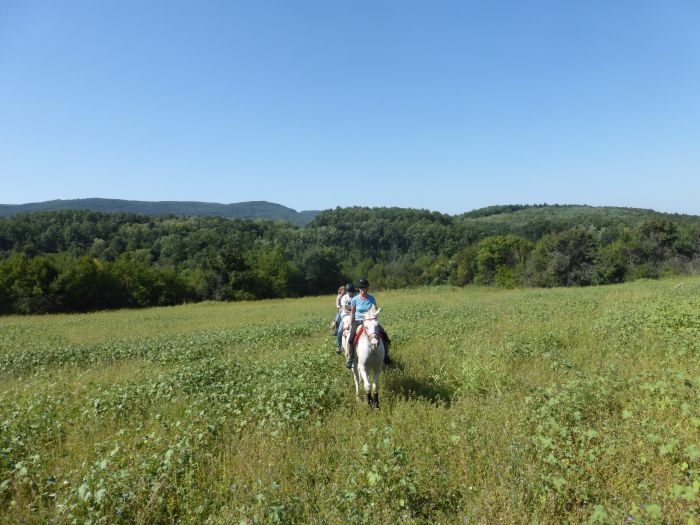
(512, 406)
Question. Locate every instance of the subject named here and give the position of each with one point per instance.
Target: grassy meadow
(504, 406)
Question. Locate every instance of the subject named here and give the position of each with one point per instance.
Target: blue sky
(444, 105)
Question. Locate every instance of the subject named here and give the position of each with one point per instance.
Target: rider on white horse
(361, 304)
(338, 314)
(345, 309)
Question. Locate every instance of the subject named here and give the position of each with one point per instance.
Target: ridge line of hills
(84, 260)
(268, 210)
(236, 210)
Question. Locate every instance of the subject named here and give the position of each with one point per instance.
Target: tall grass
(517, 406)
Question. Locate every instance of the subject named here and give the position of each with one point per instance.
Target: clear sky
(443, 105)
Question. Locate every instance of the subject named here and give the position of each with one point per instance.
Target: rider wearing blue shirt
(361, 304)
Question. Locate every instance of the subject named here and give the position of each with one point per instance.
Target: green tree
(271, 274)
(613, 262)
(89, 285)
(568, 258)
(463, 266)
(497, 253)
(321, 271)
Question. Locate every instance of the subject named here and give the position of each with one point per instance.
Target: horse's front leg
(365, 381)
(356, 377)
(375, 379)
(344, 344)
(375, 389)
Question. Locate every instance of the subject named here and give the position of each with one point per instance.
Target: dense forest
(82, 260)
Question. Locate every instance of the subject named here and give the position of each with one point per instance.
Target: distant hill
(238, 210)
(532, 221)
(520, 213)
(528, 220)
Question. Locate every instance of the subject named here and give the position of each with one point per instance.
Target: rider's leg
(351, 345)
(339, 337)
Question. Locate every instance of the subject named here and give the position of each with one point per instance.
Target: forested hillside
(83, 260)
(237, 210)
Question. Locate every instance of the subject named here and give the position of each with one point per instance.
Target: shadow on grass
(411, 387)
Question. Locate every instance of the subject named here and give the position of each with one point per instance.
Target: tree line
(70, 261)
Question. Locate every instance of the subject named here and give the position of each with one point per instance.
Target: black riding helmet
(349, 288)
(363, 282)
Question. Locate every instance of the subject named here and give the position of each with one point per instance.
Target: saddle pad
(360, 329)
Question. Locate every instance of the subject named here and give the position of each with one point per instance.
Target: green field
(514, 406)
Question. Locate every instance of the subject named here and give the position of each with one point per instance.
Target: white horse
(369, 357)
(346, 325)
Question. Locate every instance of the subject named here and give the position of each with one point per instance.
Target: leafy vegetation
(85, 261)
(519, 406)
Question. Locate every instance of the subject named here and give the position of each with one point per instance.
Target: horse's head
(371, 327)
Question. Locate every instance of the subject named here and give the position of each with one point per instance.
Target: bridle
(373, 337)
